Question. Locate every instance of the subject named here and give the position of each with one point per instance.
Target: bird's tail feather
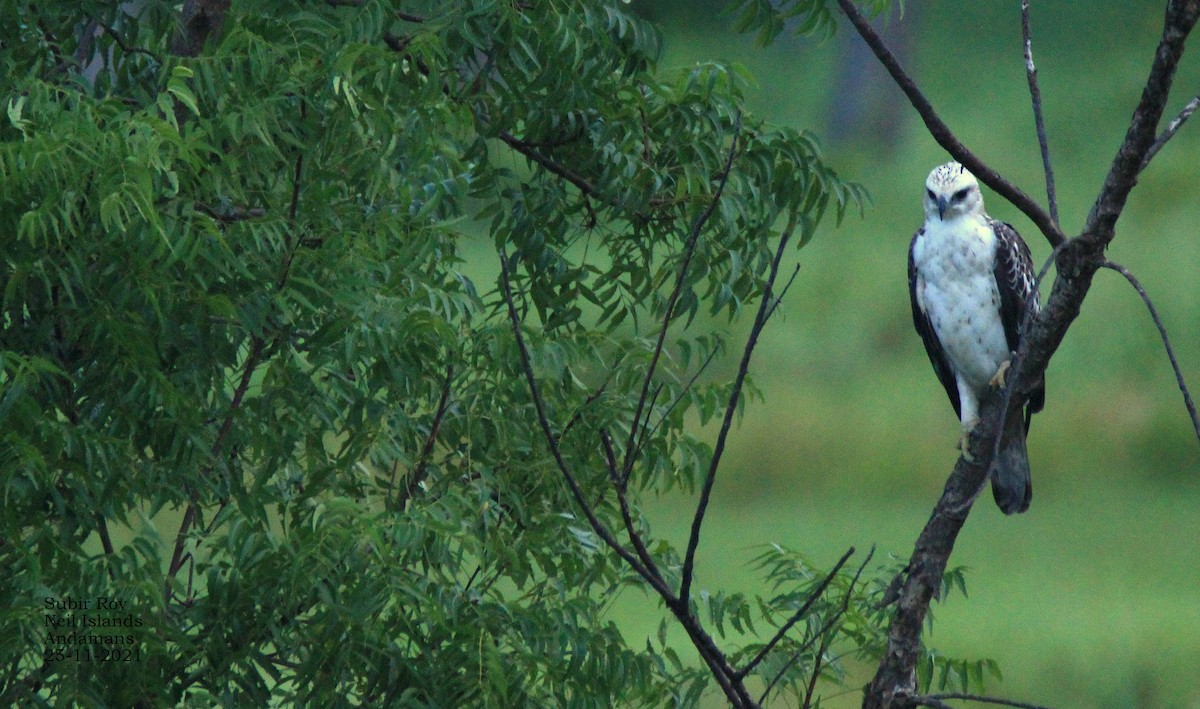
(1011, 484)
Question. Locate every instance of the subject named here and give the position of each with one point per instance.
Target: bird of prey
(970, 277)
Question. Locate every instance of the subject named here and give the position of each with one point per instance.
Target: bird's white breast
(957, 290)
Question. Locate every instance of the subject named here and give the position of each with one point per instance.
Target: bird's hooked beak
(942, 204)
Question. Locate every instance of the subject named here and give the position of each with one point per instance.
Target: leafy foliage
(249, 390)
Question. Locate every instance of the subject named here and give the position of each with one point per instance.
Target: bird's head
(951, 191)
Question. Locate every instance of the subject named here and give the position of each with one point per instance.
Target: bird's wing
(1015, 279)
(933, 347)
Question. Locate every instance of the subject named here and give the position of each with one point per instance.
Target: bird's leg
(968, 414)
(964, 443)
(997, 380)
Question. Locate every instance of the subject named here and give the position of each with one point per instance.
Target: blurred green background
(1092, 598)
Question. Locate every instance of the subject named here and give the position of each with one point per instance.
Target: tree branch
(945, 137)
(413, 480)
(718, 665)
(1169, 132)
(937, 700)
(1162, 332)
(619, 485)
(1035, 95)
(760, 321)
(797, 616)
(829, 624)
(554, 168)
(552, 441)
(253, 358)
(689, 251)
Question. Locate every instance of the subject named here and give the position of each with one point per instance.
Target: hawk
(969, 278)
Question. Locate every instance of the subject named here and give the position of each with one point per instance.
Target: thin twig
(797, 616)
(731, 406)
(783, 291)
(923, 699)
(675, 402)
(827, 637)
(555, 168)
(1162, 332)
(253, 359)
(1035, 94)
(1169, 132)
(689, 251)
(945, 137)
(126, 48)
(619, 484)
(414, 479)
(829, 625)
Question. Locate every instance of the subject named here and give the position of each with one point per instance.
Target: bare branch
(531, 152)
(938, 700)
(1169, 132)
(735, 394)
(1162, 332)
(619, 484)
(1035, 94)
(1181, 16)
(943, 135)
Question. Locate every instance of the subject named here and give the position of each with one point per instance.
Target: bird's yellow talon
(997, 380)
